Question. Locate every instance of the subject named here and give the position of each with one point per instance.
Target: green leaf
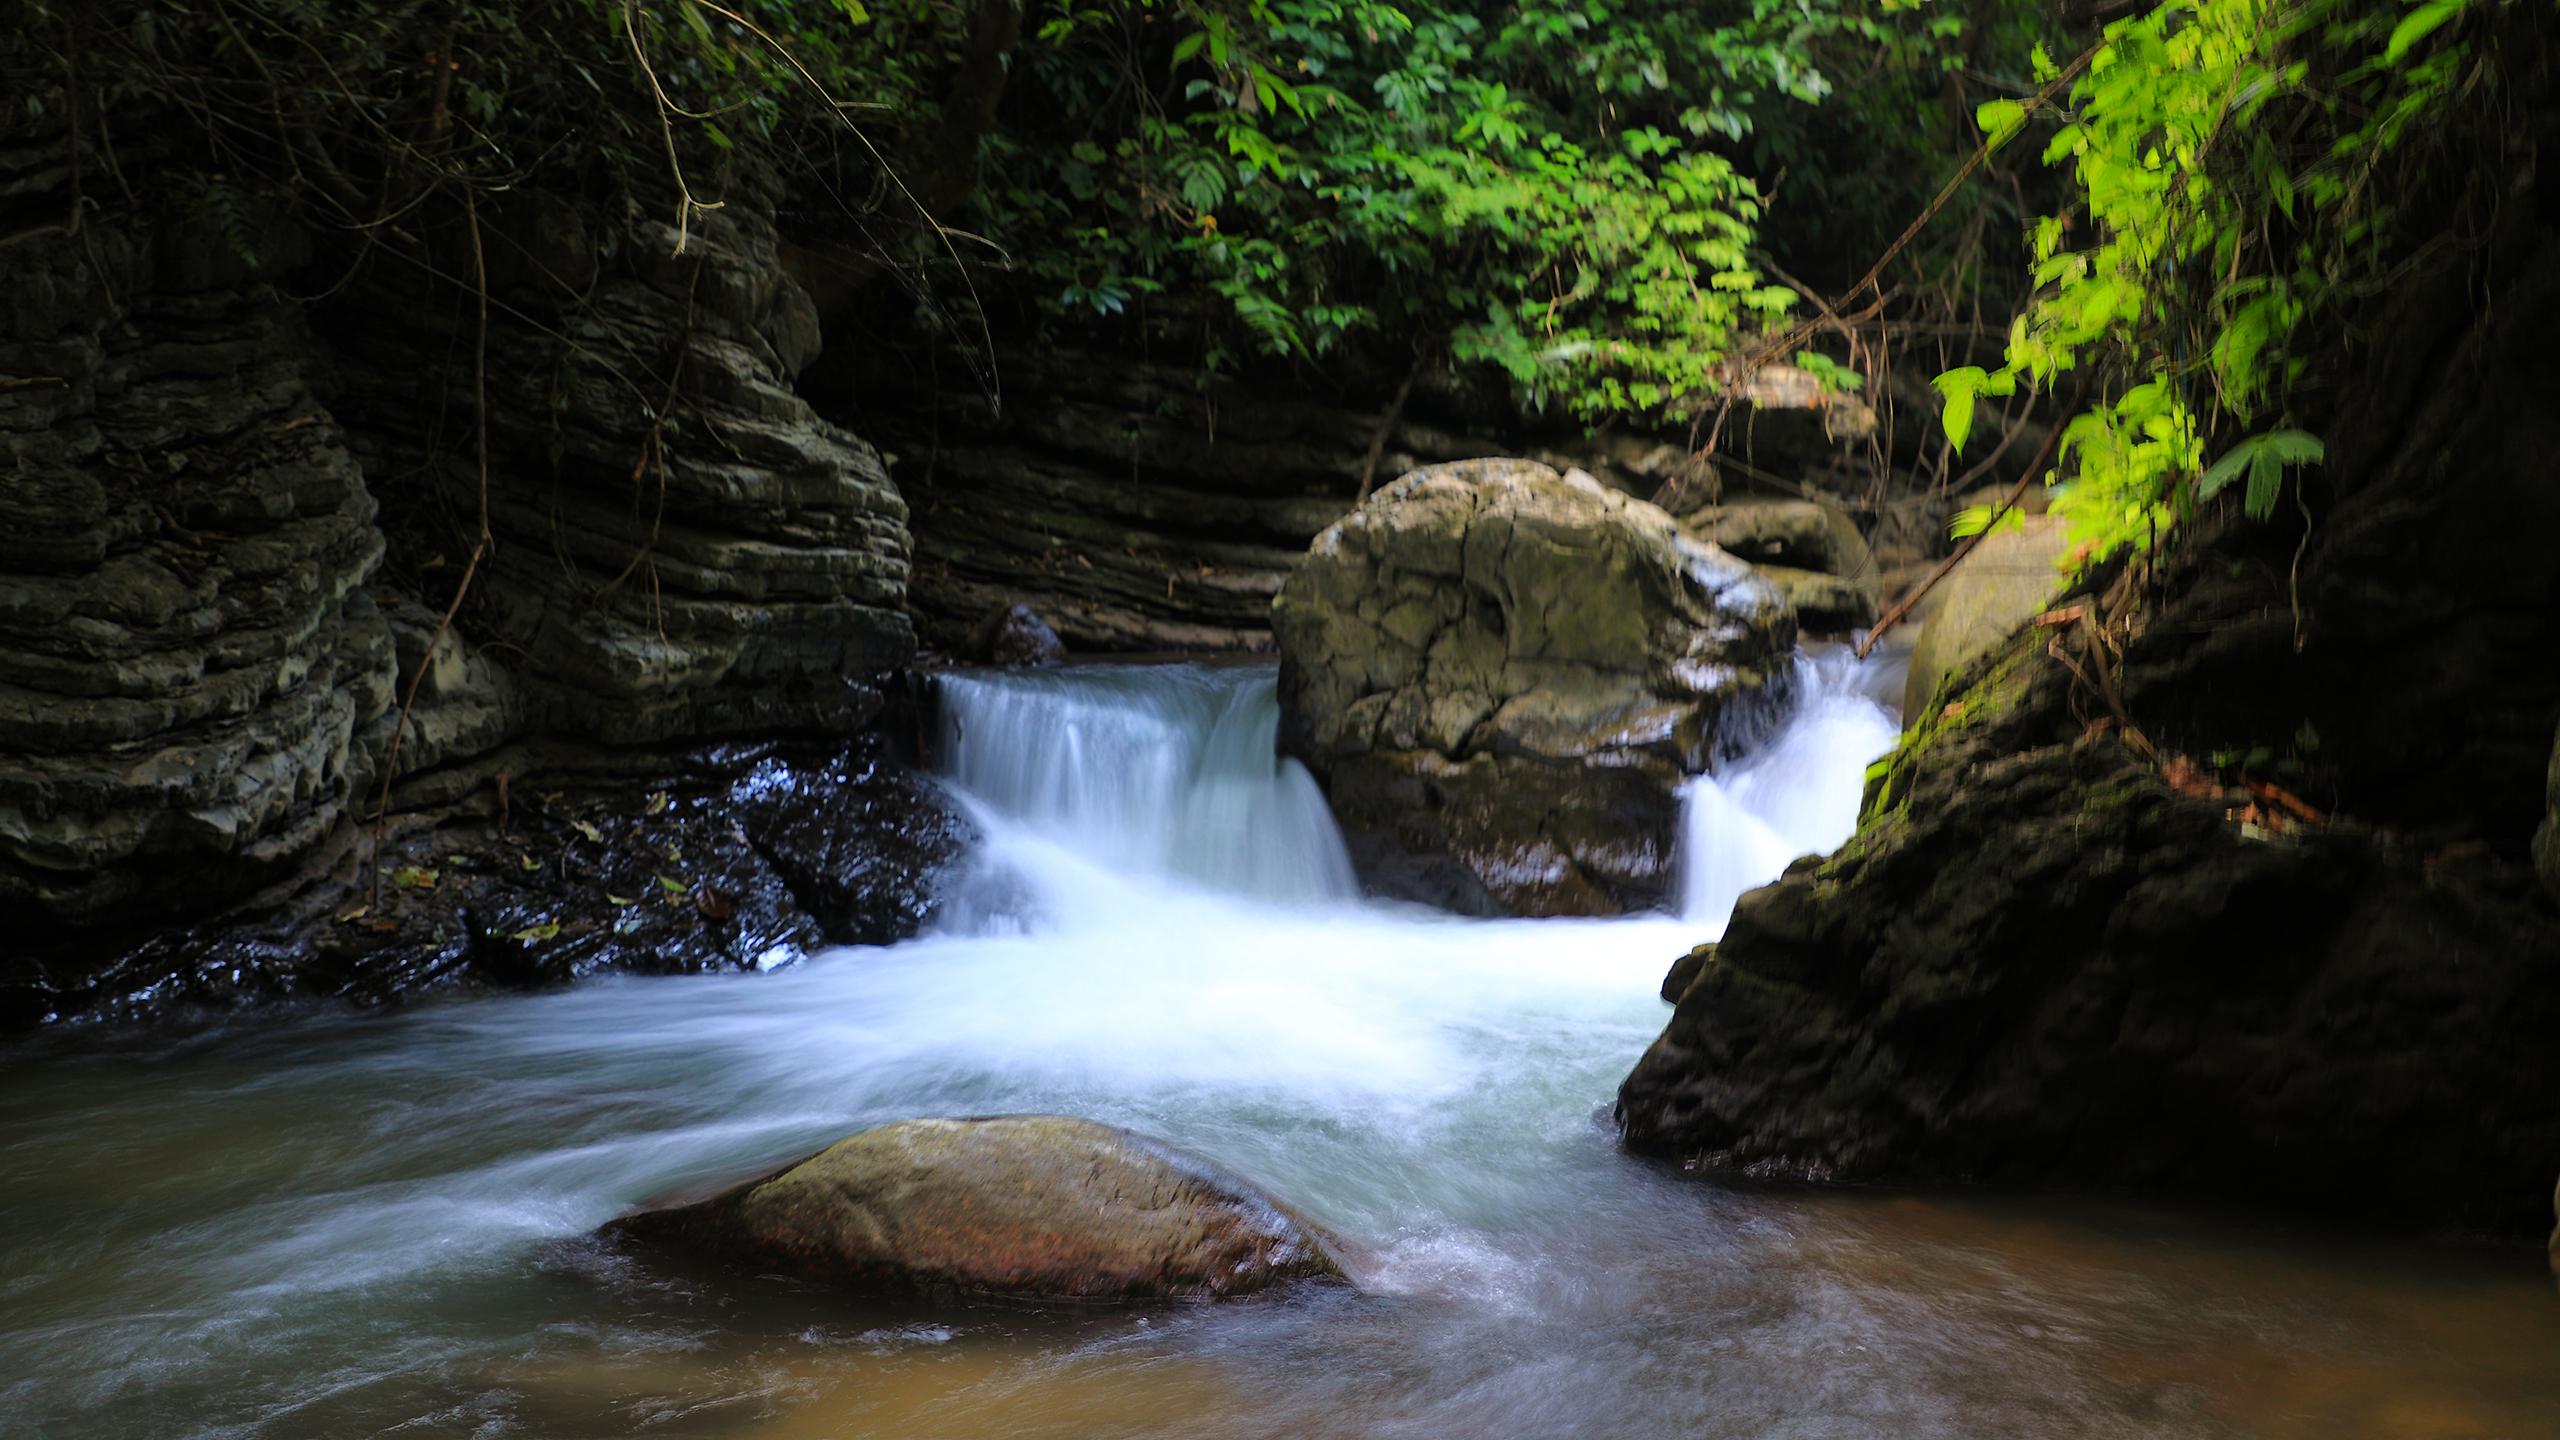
(2296, 447)
(2417, 25)
(2000, 119)
(549, 930)
(1960, 385)
(695, 21)
(2266, 477)
(414, 877)
(853, 11)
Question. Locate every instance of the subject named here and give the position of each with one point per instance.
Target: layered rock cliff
(239, 517)
(188, 648)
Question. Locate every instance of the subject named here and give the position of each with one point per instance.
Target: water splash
(1798, 795)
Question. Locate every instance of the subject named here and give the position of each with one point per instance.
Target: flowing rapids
(332, 1225)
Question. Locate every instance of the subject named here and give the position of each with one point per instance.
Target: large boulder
(1503, 674)
(2006, 581)
(1037, 1206)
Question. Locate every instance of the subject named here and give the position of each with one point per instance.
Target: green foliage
(2226, 154)
(1551, 185)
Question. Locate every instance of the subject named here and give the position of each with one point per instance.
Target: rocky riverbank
(2236, 897)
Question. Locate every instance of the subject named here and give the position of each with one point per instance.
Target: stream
(328, 1224)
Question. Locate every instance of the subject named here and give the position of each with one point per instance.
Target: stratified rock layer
(683, 548)
(1503, 674)
(186, 646)
(1035, 1206)
(230, 546)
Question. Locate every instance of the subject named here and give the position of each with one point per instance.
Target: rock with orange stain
(1037, 1206)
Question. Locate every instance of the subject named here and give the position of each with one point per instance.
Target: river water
(327, 1224)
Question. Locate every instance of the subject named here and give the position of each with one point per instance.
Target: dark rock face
(684, 548)
(186, 643)
(1035, 1206)
(207, 621)
(2040, 960)
(2052, 965)
(856, 840)
(1017, 636)
(2546, 841)
(732, 858)
(1503, 674)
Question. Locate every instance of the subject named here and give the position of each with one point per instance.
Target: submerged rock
(1503, 674)
(1036, 1206)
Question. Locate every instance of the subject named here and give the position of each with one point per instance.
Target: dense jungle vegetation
(1607, 210)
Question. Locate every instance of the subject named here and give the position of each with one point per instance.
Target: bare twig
(2017, 492)
(480, 547)
(1386, 427)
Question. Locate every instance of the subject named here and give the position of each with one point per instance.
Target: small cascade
(1797, 795)
(1092, 779)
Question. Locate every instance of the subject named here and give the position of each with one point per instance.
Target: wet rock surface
(1502, 674)
(1811, 551)
(744, 857)
(1030, 1206)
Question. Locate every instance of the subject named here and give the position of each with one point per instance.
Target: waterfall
(1097, 777)
(1100, 785)
(1796, 795)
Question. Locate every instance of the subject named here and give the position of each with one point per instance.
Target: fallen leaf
(657, 802)
(673, 887)
(414, 877)
(714, 905)
(588, 830)
(548, 930)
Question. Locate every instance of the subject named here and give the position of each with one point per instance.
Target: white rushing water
(347, 1225)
